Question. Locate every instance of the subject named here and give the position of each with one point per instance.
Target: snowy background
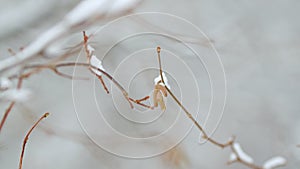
(258, 43)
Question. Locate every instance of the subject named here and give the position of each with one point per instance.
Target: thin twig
(38, 67)
(27, 136)
(142, 104)
(183, 108)
(143, 99)
(103, 84)
(158, 49)
(119, 86)
(230, 143)
(11, 105)
(91, 67)
(89, 55)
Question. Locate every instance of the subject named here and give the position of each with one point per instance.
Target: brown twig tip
(139, 102)
(27, 136)
(143, 99)
(85, 38)
(158, 49)
(46, 114)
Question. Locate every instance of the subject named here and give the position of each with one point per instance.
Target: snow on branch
(16, 95)
(158, 80)
(241, 154)
(274, 162)
(84, 14)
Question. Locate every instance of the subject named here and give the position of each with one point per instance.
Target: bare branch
(26, 138)
(239, 157)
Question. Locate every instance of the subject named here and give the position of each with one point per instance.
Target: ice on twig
(274, 162)
(5, 83)
(17, 95)
(241, 154)
(94, 61)
(158, 80)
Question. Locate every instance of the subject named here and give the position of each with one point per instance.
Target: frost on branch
(274, 162)
(241, 154)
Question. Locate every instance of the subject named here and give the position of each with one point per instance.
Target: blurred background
(257, 42)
